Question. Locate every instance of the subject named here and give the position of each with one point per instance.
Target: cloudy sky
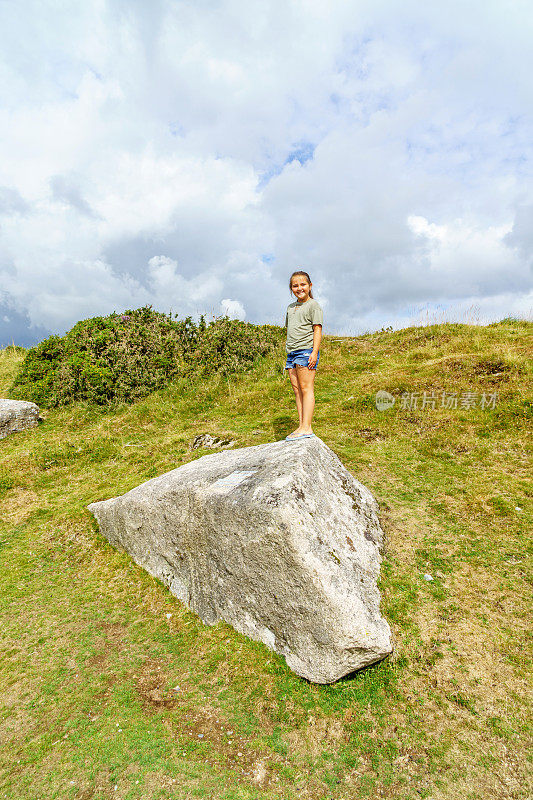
(192, 154)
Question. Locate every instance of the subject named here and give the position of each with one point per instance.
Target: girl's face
(301, 287)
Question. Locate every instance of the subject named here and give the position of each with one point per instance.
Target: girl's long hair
(300, 272)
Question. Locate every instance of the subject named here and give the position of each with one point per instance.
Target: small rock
(259, 773)
(428, 577)
(517, 508)
(16, 415)
(212, 442)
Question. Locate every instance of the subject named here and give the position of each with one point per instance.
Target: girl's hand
(312, 360)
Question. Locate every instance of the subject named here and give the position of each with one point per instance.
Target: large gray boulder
(279, 540)
(15, 415)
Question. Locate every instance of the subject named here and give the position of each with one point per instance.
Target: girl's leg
(299, 398)
(306, 381)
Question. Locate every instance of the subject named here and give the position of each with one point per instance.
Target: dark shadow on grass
(282, 426)
(350, 676)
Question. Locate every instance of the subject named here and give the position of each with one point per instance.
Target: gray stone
(213, 442)
(16, 415)
(279, 540)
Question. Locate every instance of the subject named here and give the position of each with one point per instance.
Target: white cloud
(232, 309)
(184, 154)
(168, 285)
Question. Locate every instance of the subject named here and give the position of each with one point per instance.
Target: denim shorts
(300, 357)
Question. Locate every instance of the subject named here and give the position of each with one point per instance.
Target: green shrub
(230, 345)
(123, 357)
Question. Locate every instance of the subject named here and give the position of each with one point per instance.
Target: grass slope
(94, 648)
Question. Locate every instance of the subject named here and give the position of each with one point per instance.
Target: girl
(303, 321)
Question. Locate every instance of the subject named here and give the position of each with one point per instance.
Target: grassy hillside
(94, 648)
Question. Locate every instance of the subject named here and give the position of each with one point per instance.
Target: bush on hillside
(123, 357)
(230, 345)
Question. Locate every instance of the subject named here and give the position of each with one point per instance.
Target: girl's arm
(317, 336)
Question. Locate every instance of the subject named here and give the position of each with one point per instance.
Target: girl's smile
(301, 289)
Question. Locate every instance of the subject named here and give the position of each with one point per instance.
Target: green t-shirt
(299, 321)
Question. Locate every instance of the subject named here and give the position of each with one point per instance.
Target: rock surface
(15, 415)
(279, 540)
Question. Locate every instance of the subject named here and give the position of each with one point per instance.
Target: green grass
(91, 657)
